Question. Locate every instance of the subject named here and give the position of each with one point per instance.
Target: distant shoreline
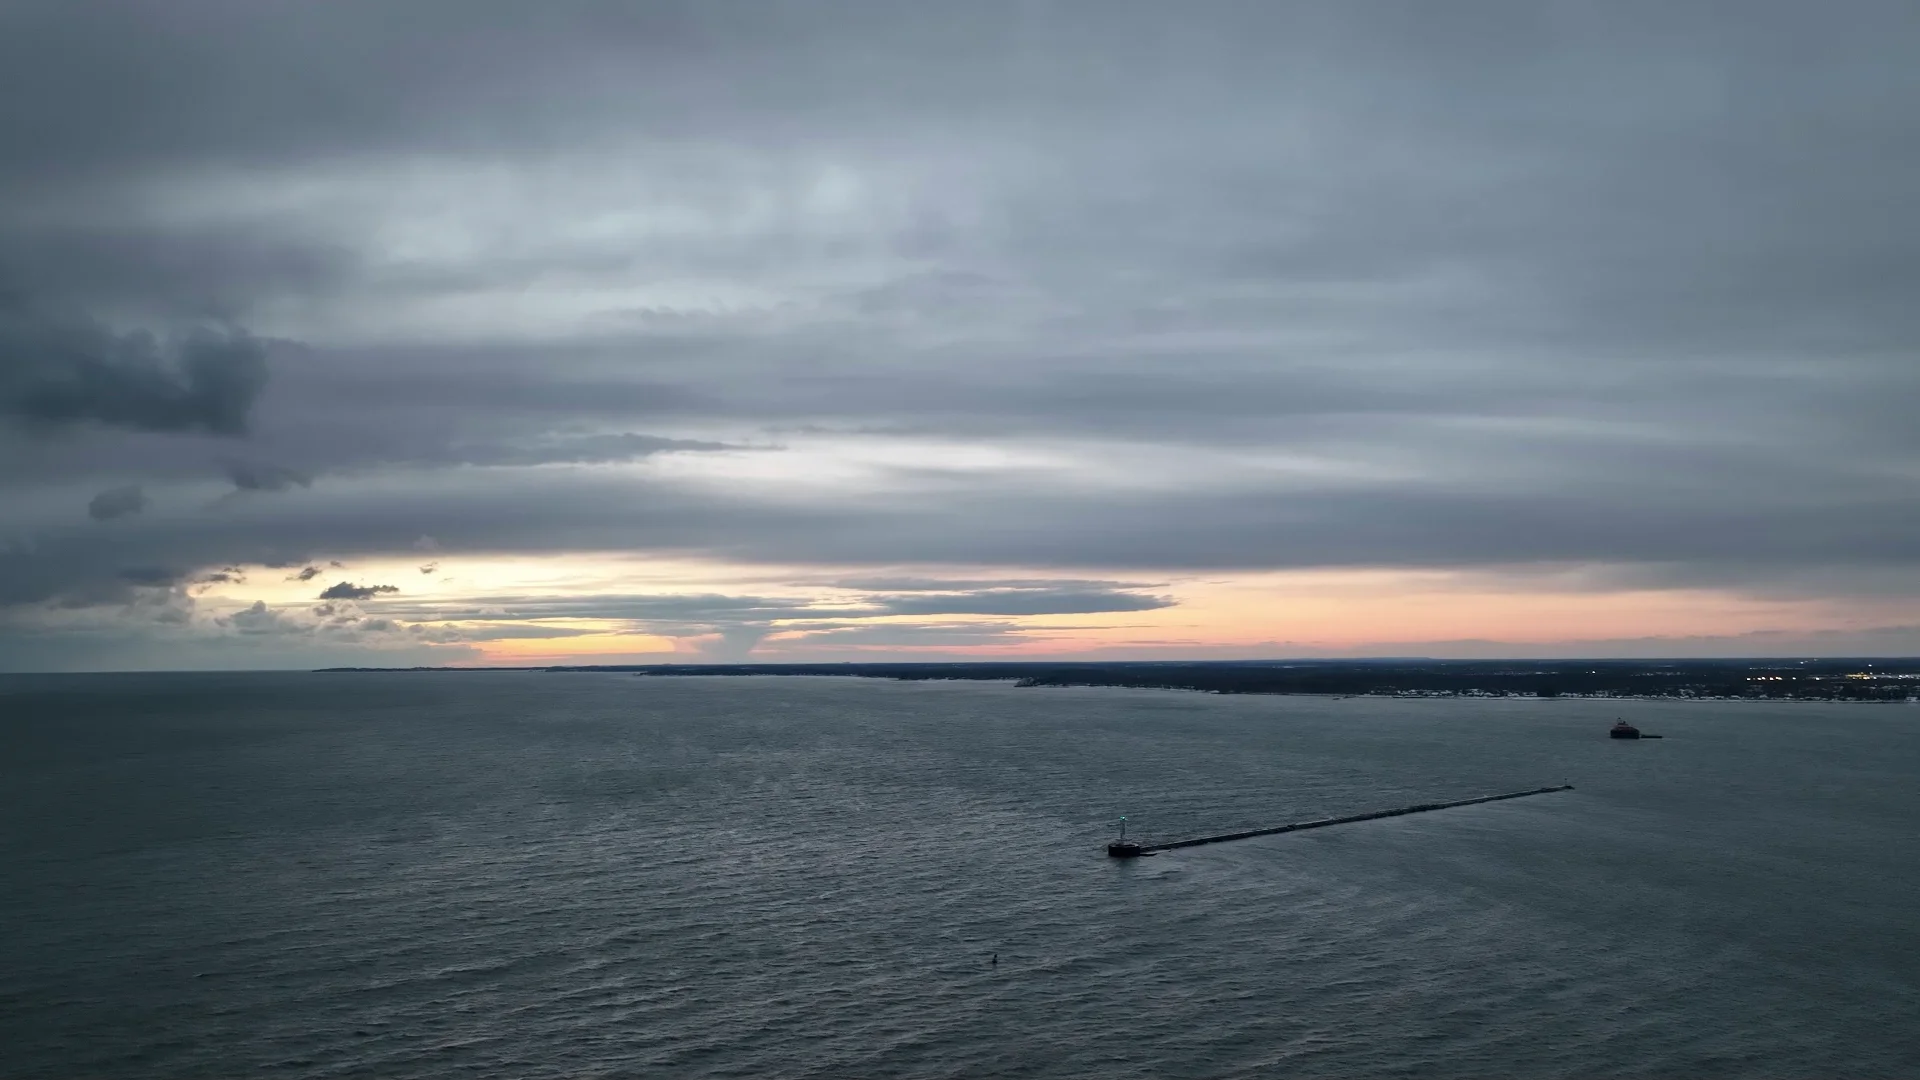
(1877, 679)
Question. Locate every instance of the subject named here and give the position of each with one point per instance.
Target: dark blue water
(521, 874)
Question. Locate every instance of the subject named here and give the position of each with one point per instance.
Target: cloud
(117, 503)
(733, 627)
(1020, 601)
(149, 575)
(688, 613)
(59, 372)
(346, 590)
(706, 611)
(491, 631)
(1051, 292)
(259, 619)
(911, 583)
(580, 449)
(732, 643)
(906, 635)
(307, 573)
(258, 476)
(201, 269)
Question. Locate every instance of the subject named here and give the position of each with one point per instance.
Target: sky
(469, 332)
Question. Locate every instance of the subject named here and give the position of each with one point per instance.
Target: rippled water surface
(524, 874)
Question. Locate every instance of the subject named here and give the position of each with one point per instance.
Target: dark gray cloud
(260, 476)
(117, 503)
(60, 371)
(214, 271)
(259, 619)
(347, 590)
(149, 575)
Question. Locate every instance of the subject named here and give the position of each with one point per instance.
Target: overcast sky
(478, 331)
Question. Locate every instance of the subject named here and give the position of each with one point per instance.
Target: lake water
(528, 874)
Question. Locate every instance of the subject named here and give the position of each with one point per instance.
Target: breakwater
(1128, 850)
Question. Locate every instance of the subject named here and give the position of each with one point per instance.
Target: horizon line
(339, 668)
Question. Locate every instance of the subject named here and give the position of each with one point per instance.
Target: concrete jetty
(1126, 850)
